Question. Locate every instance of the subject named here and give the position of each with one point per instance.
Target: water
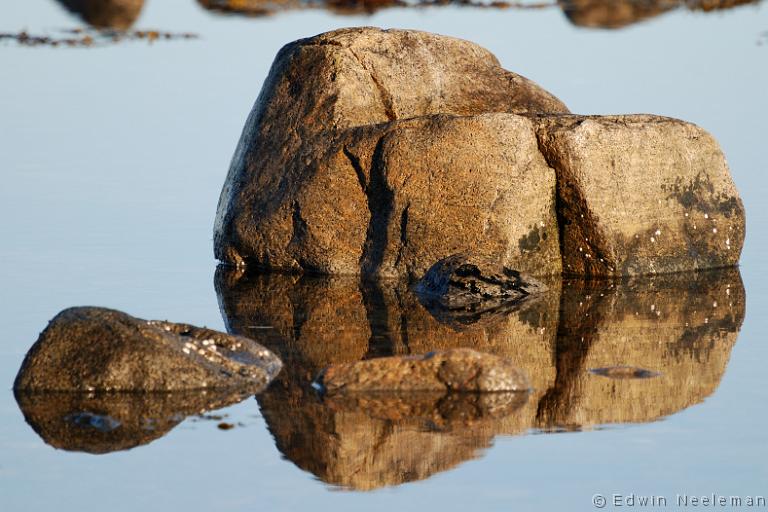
(112, 160)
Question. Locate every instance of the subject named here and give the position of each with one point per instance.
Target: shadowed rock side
(108, 422)
(97, 349)
(332, 175)
(613, 14)
(106, 14)
(374, 440)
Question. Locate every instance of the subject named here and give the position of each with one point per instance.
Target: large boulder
(641, 194)
(333, 175)
(98, 349)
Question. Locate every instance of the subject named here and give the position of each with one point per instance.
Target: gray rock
(460, 284)
(97, 349)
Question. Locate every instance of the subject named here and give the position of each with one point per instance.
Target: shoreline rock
(378, 153)
(97, 349)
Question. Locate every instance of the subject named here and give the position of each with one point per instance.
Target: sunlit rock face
(674, 333)
(106, 14)
(641, 194)
(382, 152)
(334, 175)
(108, 422)
(97, 349)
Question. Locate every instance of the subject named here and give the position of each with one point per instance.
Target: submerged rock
(461, 284)
(319, 184)
(97, 349)
(462, 370)
(641, 194)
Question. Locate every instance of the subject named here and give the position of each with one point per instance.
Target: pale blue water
(111, 162)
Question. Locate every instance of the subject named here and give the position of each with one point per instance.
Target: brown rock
(450, 370)
(641, 194)
(614, 13)
(106, 14)
(306, 193)
(620, 13)
(97, 349)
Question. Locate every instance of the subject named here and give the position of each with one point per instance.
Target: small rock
(96, 349)
(452, 370)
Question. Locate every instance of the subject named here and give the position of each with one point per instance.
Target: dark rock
(465, 288)
(97, 349)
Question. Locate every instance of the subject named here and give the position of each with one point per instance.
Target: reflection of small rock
(225, 426)
(442, 410)
(96, 349)
(451, 370)
(624, 372)
(108, 422)
(468, 288)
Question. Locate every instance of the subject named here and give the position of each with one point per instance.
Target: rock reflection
(620, 13)
(609, 14)
(680, 327)
(108, 422)
(106, 14)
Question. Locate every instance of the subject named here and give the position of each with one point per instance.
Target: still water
(112, 158)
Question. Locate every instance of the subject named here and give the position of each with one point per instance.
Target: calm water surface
(112, 159)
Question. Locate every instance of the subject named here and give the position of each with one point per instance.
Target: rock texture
(462, 370)
(97, 349)
(379, 153)
(641, 194)
(332, 173)
(108, 422)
